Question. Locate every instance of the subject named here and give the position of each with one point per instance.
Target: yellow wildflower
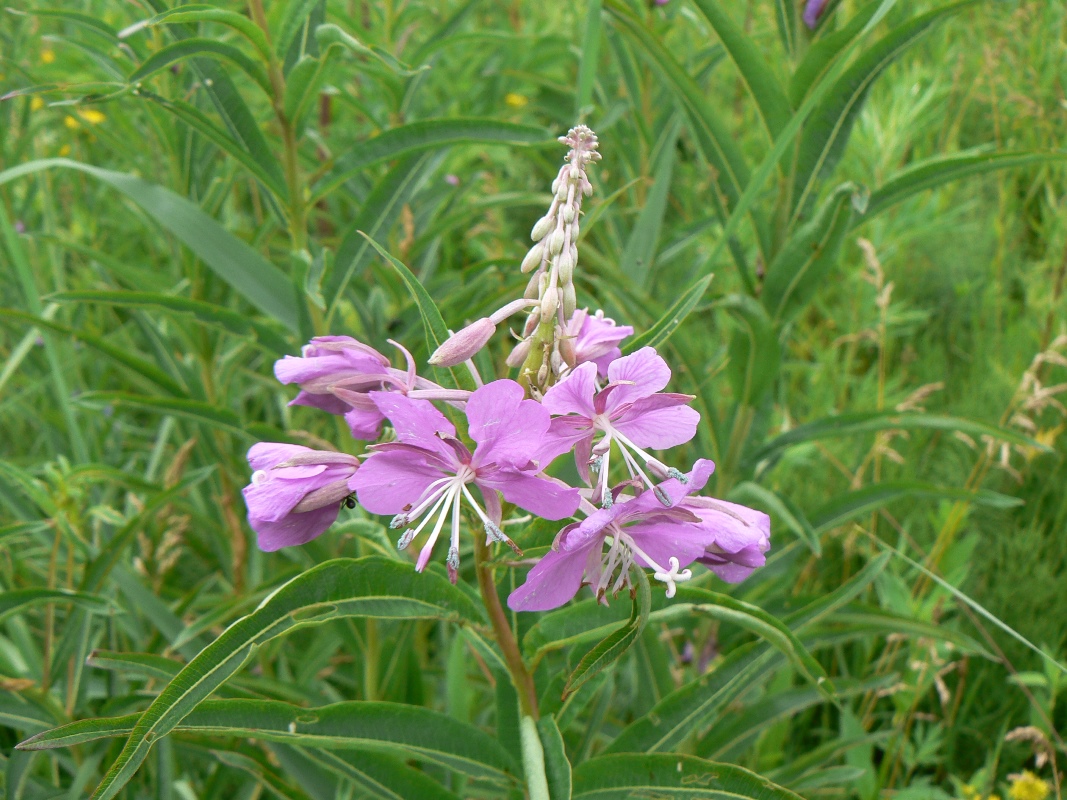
(71, 122)
(64, 150)
(516, 100)
(36, 104)
(969, 792)
(1027, 786)
(47, 56)
(91, 115)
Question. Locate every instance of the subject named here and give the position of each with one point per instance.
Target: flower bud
(574, 232)
(556, 361)
(556, 240)
(568, 214)
(542, 227)
(533, 288)
(561, 191)
(461, 346)
(549, 302)
(510, 309)
(518, 355)
(533, 258)
(565, 268)
(570, 300)
(532, 322)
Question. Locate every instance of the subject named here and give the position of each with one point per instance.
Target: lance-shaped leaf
(249, 273)
(176, 52)
(557, 766)
(427, 134)
(872, 421)
(670, 775)
(393, 728)
(16, 600)
(615, 644)
(830, 125)
(938, 171)
(194, 13)
(804, 263)
(666, 325)
(681, 713)
(761, 81)
(368, 587)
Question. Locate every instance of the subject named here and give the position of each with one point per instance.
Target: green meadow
(849, 243)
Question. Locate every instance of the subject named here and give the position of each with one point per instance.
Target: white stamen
(672, 576)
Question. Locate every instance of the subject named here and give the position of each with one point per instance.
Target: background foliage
(876, 360)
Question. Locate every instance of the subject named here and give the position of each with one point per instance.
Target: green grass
(108, 487)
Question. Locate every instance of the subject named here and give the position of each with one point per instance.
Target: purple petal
(507, 428)
(734, 567)
(698, 479)
(565, 433)
(266, 454)
(545, 497)
(389, 481)
(573, 394)
(661, 421)
(554, 580)
(812, 11)
(366, 425)
(733, 527)
(685, 541)
(415, 421)
(325, 402)
(645, 370)
(292, 529)
(604, 361)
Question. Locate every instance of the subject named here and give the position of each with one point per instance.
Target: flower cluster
(575, 393)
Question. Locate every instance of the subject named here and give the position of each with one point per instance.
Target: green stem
(520, 676)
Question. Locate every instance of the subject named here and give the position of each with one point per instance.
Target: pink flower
(630, 411)
(295, 492)
(813, 9)
(643, 532)
(596, 339)
(427, 473)
(741, 537)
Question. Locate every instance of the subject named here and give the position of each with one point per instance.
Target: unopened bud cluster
(543, 351)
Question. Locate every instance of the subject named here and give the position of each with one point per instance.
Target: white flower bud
(556, 362)
(533, 288)
(533, 258)
(561, 191)
(574, 232)
(587, 188)
(565, 268)
(570, 300)
(542, 375)
(568, 214)
(556, 240)
(549, 302)
(542, 227)
(555, 185)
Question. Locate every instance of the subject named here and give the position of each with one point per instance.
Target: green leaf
(121, 355)
(194, 13)
(639, 255)
(426, 134)
(300, 85)
(195, 410)
(196, 46)
(752, 494)
(198, 121)
(754, 351)
(761, 81)
(712, 134)
(260, 282)
(393, 728)
(16, 600)
(670, 775)
(143, 665)
(674, 718)
(872, 421)
(377, 774)
(848, 506)
(207, 313)
(937, 171)
(331, 35)
(297, 16)
(824, 52)
(614, 645)
(370, 587)
(377, 214)
(830, 125)
(557, 766)
(752, 618)
(588, 64)
(666, 325)
(432, 321)
(803, 265)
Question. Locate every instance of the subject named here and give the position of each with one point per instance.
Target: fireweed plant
(574, 393)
